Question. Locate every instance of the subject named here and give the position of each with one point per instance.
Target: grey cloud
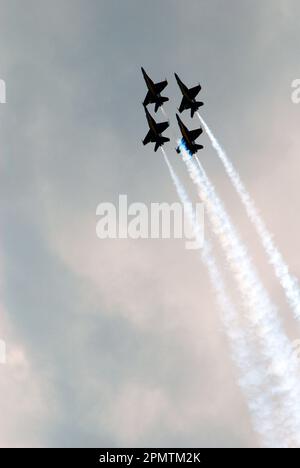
(98, 320)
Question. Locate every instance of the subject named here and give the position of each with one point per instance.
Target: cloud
(105, 338)
(23, 396)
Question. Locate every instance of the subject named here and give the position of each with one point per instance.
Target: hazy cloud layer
(119, 342)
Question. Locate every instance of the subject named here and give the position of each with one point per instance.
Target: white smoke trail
(261, 314)
(252, 381)
(287, 281)
(163, 112)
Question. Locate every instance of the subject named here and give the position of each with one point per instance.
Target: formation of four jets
(156, 130)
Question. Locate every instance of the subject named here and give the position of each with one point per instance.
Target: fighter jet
(189, 137)
(189, 97)
(154, 89)
(155, 133)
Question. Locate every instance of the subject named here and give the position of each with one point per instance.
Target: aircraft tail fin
(160, 102)
(165, 139)
(195, 107)
(160, 142)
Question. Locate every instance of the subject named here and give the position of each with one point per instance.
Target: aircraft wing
(147, 99)
(183, 128)
(147, 138)
(184, 105)
(194, 134)
(194, 91)
(161, 127)
(151, 121)
(159, 87)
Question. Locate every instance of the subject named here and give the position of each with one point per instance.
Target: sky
(119, 342)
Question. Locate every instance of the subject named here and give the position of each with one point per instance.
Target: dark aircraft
(189, 97)
(189, 137)
(154, 89)
(155, 133)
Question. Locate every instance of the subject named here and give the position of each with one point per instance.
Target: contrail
(287, 281)
(163, 112)
(261, 313)
(253, 378)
